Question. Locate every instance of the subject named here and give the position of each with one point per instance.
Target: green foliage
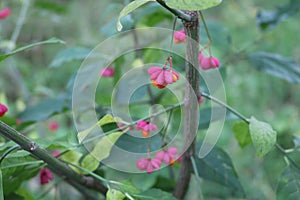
(242, 133)
(218, 167)
(192, 4)
(50, 41)
(289, 184)
(51, 6)
(263, 136)
(267, 20)
(128, 9)
(69, 54)
(44, 109)
(276, 65)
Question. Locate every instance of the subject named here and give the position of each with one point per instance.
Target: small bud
(3, 110)
(4, 13)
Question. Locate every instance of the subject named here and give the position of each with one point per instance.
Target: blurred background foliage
(38, 74)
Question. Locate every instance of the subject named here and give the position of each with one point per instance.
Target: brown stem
(190, 106)
(54, 164)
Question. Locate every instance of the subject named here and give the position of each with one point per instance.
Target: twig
(238, 114)
(53, 163)
(178, 13)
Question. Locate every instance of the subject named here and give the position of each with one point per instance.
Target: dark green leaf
(192, 4)
(154, 194)
(43, 110)
(263, 136)
(269, 19)
(70, 54)
(50, 41)
(16, 170)
(218, 167)
(50, 6)
(276, 65)
(242, 133)
(289, 184)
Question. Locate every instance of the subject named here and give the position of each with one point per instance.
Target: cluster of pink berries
(161, 77)
(167, 156)
(4, 13)
(205, 62)
(146, 127)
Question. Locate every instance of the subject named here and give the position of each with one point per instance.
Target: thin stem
(20, 21)
(238, 114)
(207, 33)
(178, 13)
(282, 150)
(197, 177)
(140, 55)
(166, 127)
(173, 31)
(8, 152)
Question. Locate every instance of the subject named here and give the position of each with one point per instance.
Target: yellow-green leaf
(72, 157)
(100, 151)
(192, 4)
(263, 136)
(128, 9)
(242, 133)
(113, 194)
(104, 120)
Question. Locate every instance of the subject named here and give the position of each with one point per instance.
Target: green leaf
(24, 193)
(100, 151)
(242, 133)
(128, 9)
(289, 184)
(50, 41)
(263, 136)
(269, 19)
(1, 186)
(51, 6)
(113, 194)
(107, 123)
(43, 110)
(154, 194)
(70, 54)
(276, 65)
(192, 4)
(13, 177)
(218, 167)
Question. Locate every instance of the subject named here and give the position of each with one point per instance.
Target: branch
(191, 113)
(178, 13)
(54, 164)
